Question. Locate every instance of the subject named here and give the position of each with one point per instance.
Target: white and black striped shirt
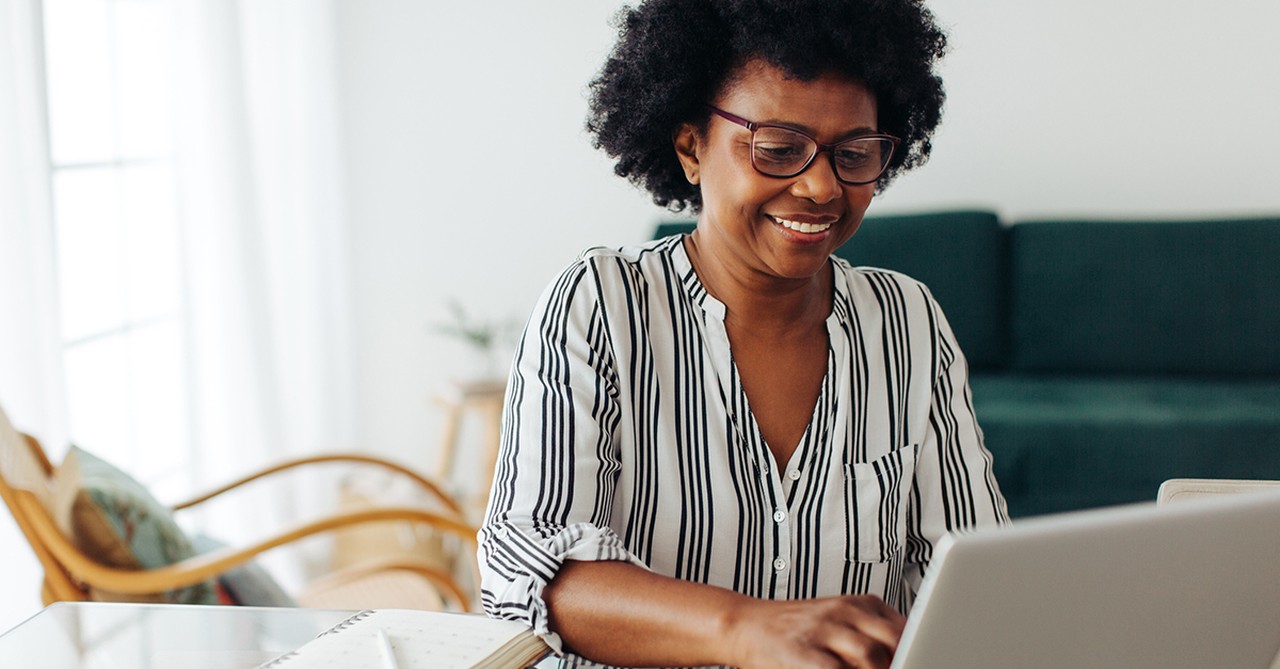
(627, 436)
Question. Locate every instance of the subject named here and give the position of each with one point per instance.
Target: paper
(418, 639)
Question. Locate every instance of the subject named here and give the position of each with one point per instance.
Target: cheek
(858, 198)
(730, 185)
(726, 187)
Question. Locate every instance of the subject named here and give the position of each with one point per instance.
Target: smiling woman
(730, 447)
(761, 235)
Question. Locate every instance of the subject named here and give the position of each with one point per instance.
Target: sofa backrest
(1197, 297)
(960, 255)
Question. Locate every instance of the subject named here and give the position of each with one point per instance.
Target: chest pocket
(879, 491)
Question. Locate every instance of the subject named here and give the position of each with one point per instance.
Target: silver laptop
(1195, 584)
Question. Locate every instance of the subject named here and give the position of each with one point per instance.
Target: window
(117, 244)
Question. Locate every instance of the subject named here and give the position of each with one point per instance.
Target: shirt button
(779, 564)
(794, 474)
(779, 516)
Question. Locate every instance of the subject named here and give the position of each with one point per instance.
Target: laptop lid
(1195, 584)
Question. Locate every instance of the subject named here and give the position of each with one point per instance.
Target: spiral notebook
(407, 639)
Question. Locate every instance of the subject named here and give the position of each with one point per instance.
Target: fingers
(875, 619)
(852, 648)
(835, 632)
(866, 632)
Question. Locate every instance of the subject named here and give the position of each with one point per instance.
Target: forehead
(830, 103)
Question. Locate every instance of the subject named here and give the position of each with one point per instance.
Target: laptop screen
(1195, 584)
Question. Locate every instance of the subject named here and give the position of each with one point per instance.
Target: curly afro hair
(673, 56)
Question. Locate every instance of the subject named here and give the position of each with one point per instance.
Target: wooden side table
(481, 400)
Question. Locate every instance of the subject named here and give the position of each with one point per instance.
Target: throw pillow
(114, 519)
(246, 585)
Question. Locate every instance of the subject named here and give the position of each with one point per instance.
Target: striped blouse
(627, 436)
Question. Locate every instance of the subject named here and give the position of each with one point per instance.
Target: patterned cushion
(112, 518)
(246, 585)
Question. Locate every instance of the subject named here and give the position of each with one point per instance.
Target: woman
(731, 447)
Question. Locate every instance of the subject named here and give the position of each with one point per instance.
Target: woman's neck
(767, 304)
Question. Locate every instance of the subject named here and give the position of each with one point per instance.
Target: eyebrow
(791, 125)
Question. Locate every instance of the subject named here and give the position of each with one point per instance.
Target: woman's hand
(618, 613)
(834, 632)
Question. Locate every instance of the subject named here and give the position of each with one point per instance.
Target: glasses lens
(862, 160)
(781, 152)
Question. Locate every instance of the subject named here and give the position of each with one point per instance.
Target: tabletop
(101, 635)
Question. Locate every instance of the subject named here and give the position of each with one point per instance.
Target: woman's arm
(558, 463)
(956, 488)
(618, 613)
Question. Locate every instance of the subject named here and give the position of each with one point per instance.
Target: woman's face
(783, 228)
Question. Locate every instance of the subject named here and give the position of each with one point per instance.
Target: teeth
(802, 227)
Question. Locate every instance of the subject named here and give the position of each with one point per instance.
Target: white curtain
(263, 237)
(30, 363)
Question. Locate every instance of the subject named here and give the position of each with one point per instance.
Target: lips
(797, 224)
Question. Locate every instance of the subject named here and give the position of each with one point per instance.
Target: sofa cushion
(960, 255)
(1068, 442)
(115, 520)
(246, 585)
(1184, 297)
(669, 228)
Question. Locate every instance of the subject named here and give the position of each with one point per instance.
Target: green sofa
(1105, 356)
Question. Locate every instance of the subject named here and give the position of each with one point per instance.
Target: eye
(781, 149)
(781, 152)
(857, 155)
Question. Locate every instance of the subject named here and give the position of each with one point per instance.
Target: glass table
(99, 635)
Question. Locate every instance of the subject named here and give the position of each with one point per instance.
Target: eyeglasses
(782, 152)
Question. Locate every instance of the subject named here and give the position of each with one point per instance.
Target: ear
(687, 141)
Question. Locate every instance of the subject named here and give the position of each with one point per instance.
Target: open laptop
(1195, 584)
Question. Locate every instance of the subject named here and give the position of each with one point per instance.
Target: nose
(818, 183)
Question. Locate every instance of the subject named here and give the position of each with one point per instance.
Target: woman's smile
(799, 224)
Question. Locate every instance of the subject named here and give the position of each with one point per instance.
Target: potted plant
(488, 341)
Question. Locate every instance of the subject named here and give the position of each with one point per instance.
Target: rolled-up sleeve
(553, 490)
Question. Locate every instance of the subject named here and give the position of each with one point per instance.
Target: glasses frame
(831, 156)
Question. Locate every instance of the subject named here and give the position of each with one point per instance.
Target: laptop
(1194, 584)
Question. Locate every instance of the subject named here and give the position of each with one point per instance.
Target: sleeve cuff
(516, 568)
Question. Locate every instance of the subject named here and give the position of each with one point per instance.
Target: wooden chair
(26, 474)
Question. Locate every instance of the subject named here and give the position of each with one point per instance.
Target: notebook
(408, 639)
(1195, 584)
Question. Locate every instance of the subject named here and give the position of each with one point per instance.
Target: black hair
(674, 56)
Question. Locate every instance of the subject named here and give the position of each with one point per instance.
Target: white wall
(1165, 107)
(1106, 107)
(496, 92)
